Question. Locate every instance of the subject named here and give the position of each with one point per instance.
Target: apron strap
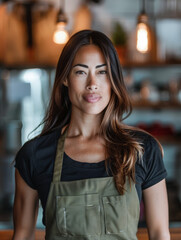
(59, 158)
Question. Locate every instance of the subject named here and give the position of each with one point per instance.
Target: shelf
(175, 63)
(169, 140)
(175, 233)
(126, 65)
(142, 104)
(168, 15)
(25, 67)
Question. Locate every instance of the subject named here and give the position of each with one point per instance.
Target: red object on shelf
(158, 129)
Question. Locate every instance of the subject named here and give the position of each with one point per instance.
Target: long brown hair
(121, 147)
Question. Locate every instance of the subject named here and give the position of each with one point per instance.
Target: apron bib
(89, 209)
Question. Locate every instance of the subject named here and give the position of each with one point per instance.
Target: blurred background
(147, 36)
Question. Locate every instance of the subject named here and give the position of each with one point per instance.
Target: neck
(85, 125)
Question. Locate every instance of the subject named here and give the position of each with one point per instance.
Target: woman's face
(88, 83)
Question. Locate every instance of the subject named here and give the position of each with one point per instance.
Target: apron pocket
(78, 215)
(115, 212)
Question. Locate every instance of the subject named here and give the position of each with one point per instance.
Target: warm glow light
(142, 41)
(60, 35)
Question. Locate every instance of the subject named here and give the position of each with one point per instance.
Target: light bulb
(60, 35)
(142, 41)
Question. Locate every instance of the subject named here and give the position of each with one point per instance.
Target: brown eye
(103, 72)
(80, 72)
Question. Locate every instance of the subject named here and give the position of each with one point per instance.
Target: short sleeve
(153, 164)
(24, 163)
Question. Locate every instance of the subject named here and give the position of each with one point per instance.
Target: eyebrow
(85, 66)
(102, 65)
(81, 65)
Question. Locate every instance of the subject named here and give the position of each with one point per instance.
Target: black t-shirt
(35, 163)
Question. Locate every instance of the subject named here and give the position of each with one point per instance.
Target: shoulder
(26, 151)
(152, 150)
(150, 169)
(35, 159)
(149, 142)
(34, 150)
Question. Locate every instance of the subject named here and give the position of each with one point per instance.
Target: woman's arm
(25, 210)
(156, 211)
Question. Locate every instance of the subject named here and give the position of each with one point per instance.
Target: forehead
(89, 53)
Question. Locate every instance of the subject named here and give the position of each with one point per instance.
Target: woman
(87, 167)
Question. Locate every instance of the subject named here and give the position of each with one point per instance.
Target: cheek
(71, 93)
(74, 84)
(108, 88)
(73, 90)
(109, 93)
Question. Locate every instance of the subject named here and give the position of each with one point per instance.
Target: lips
(92, 97)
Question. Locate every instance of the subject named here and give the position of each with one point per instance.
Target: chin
(94, 111)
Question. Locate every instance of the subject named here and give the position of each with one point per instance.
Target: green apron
(89, 209)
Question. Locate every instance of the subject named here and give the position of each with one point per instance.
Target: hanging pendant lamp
(60, 35)
(143, 33)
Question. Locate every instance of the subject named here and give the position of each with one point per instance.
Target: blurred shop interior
(147, 36)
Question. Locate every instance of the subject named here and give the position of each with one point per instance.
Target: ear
(65, 82)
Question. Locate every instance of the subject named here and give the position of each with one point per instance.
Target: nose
(92, 84)
(91, 87)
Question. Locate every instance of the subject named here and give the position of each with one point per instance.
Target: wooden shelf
(126, 65)
(170, 140)
(168, 15)
(142, 234)
(28, 66)
(142, 104)
(175, 234)
(129, 65)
